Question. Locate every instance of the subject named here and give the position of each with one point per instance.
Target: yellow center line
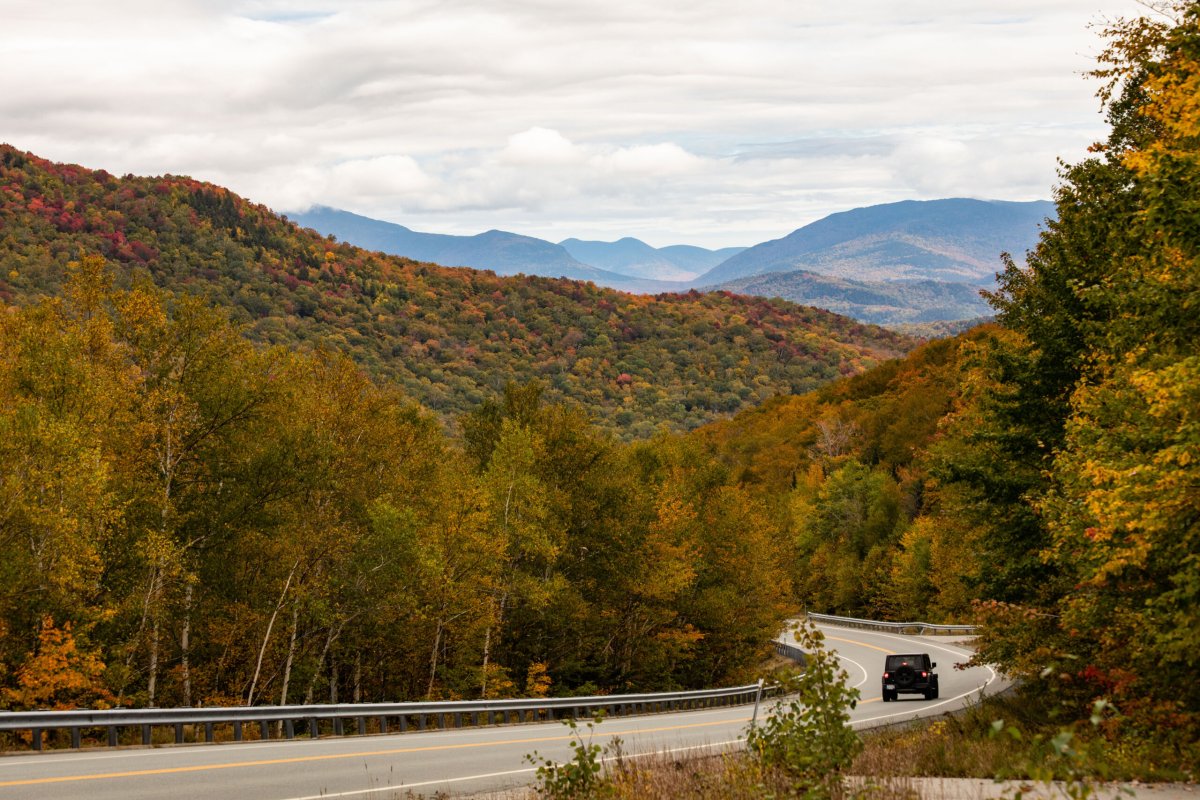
(862, 644)
(332, 756)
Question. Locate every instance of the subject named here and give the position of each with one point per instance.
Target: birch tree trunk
(267, 636)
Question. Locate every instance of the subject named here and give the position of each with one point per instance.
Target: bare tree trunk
(291, 655)
(333, 682)
(185, 645)
(498, 613)
(358, 676)
(330, 635)
(145, 613)
(433, 659)
(267, 636)
(155, 630)
(487, 652)
(152, 685)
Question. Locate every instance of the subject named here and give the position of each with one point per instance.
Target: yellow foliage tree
(59, 675)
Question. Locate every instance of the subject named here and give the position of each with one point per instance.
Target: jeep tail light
(887, 675)
(924, 674)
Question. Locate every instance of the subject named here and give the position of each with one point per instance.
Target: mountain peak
(953, 239)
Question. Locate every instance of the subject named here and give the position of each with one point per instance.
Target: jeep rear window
(914, 661)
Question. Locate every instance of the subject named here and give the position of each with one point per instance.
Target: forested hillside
(186, 518)
(450, 338)
(847, 470)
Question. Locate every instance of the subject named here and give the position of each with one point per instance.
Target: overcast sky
(711, 122)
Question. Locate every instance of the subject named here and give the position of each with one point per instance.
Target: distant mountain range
(634, 257)
(892, 264)
(958, 241)
(500, 251)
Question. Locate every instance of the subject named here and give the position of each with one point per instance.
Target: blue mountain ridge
(958, 240)
(629, 256)
(500, 251)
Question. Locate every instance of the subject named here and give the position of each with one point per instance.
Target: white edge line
(866, 675)
(406, 786)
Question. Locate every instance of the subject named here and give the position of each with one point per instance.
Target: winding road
(453, 761)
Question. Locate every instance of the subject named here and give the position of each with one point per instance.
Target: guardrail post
(403, 723)
(757, 700)
(264, 730)
(75, 743)
(383, 724)
(208, 732)
(420, 722)
(289, 729)
(178, 733)
(37, 738)
(312, 728)
(112, 735)
(237, 731)
(337, 726)
(145, 734)
(362, 726)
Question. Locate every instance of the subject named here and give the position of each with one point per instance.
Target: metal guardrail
(789, 651)
(900, 627)
(400, 717)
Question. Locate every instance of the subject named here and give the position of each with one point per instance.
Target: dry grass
(943, 748)
(728, 776)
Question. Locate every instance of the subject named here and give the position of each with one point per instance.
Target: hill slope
(956, 240)
(449, 337)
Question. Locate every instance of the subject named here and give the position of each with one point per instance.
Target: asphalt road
(454, 761)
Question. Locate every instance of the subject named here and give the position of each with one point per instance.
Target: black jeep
(911, 674)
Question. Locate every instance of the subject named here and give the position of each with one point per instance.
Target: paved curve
(456, 761)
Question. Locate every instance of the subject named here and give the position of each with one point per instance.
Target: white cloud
(718, 120)
(651, 160)
(382, 176)
(538, 146)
